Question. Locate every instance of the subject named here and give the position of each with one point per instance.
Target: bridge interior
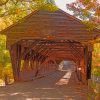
(43, 56)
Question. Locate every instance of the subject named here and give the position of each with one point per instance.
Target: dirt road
(62, 85)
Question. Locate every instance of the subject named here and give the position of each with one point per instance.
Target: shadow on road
(62, 85)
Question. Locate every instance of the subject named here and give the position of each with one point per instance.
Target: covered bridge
(51, 37)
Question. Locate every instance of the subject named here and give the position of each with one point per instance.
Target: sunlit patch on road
(65, 79)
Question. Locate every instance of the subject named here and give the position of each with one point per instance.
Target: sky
(62, 3)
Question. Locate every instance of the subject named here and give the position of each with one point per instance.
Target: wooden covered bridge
(45, 38)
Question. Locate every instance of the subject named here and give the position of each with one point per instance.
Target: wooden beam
(16, 61)
(29, 48)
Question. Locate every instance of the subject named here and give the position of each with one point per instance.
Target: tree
(87, 10)
(12, 11)
(5, 64)
(4, 54)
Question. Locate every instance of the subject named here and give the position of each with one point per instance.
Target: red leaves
(98, 11)
(87, 9)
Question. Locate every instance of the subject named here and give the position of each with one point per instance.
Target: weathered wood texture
(47, 25)
(43, 35)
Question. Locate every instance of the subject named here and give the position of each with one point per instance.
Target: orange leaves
(90, 25)
(96, 59)
(18, 11)
(87, 10)
(98, 12)
(85, 2)
(91, 5)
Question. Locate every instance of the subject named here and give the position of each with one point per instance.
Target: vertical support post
(88, 60)
(18, 53)
(79, 71)
(83, 69)
(16, 61)
(89, 65)
(37, 68)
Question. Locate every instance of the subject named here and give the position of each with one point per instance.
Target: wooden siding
(44, 24)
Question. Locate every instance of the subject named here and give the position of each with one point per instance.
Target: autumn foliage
(87, 10)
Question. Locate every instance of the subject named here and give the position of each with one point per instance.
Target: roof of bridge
(43, 24)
